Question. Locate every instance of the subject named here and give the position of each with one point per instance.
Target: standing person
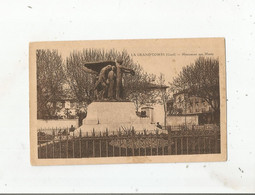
(119, 70)
(101, 85)
(71, 130)
(82, 115)
(111, 82)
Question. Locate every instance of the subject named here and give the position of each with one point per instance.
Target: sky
(167, 56)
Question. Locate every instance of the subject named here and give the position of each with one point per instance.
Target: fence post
(216, 142)
(60, 140)
(157, 142)
(194, 141)
(87, 144)
(106, 143)
(209, 145)
(93, 143)
(198, 143)
(127, 137)
(187, 144)
(132, 138)
(204, 146)
(53, 143)
(119, 138)
(80, 143)
(100, 144)
(151, 143)
(67, 143)
(73, 143)
(38, 137)
(169, 141)
(176, 145)
(113, 146)
(46, 152)
(157, 139)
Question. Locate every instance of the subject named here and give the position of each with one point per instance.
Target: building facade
(188, 105)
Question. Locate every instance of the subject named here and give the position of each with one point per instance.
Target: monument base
(113, 116)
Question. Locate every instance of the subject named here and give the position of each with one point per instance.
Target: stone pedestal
(113, 116)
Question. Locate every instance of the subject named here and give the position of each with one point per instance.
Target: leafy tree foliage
(200, 79)
(50, 78)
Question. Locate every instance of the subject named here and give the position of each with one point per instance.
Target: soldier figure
(109, 79)
(120, 70)
(101, 83)
(111, 83)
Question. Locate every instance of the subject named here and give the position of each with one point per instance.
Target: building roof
(149, 107)
(188, 90)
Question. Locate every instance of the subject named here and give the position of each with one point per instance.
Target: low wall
(145, 120)
(180, 120)
(60, 123)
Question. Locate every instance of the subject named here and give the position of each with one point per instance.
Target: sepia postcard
(128, 101)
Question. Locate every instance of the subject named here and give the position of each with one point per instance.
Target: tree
(50, 78)
(200, 79)
(163, 95)
(140, 88)
(80, 81)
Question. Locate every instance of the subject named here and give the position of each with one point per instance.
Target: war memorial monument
(110, 110)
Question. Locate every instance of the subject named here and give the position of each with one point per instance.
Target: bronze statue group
(108, 85)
